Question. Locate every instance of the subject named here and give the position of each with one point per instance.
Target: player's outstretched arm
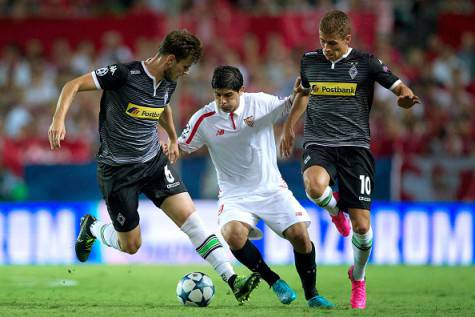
(299, 105)
(57, 130)
(166, 121)
(406, 98)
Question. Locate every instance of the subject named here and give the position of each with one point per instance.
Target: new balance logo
(220, 132)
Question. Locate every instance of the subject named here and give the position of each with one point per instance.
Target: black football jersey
(131, 105)
(341, 94)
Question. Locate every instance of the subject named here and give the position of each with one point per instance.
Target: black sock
(231, 280)
(307, 269)
(250, 256)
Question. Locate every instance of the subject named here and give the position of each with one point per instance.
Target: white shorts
(279, 211)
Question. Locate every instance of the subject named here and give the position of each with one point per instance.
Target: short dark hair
(182, 44)
(227, 77)
(335, 22)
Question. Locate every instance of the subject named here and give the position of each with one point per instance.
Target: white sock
(106, 233)
(362, 244)
(208, 246)
(326, 201)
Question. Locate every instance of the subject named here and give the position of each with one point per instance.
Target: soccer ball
(195, 289)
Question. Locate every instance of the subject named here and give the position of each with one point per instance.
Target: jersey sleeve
(304, 80)
(191, 138)
(277, 108)
(382, 74)
(110, 77)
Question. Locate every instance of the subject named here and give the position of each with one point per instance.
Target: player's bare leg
(316, 181)
(304, 252)
(362, 241)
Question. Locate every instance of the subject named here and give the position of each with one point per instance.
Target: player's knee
(235, 236)
(361, 227)
(315, 189)
(298, 237)
(131, 247)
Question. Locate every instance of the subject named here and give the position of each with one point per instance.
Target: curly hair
(182, 44)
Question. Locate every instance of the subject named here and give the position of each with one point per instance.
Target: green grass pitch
(137, 290)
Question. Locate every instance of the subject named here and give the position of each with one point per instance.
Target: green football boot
(85, 239)
(244, 285)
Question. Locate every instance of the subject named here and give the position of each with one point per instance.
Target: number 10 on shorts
(365, 185)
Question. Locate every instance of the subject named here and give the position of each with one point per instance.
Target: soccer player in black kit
(338, 83)
(134, 101)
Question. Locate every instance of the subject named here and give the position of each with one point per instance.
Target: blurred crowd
(442, 75)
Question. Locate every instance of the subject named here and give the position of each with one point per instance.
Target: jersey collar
(237, 112)
(155, 84)
(342, 57)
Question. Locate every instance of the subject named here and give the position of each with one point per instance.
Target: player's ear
(170, 60)
(348, 38)
(241, 90)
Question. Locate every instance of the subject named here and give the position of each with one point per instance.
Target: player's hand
(286, 141)
(407, 101)
(164, 148)
(172, 151)
(56, 134)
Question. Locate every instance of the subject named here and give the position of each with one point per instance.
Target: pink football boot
(358, 291)
(341, 223)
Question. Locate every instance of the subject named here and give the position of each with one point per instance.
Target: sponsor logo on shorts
(173, 185)
(299, 213)
(333, 89)
(364, 198)
(142, 112)
(306, 159)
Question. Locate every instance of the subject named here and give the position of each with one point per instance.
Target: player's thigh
(178, 207)
(319, 168)
(282, 211)
(120, 190)
(355, 178)
(232, 211)
(166, 190)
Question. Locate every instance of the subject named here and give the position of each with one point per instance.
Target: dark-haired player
(237, 128)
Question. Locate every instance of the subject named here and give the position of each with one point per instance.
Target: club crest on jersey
(249, 121)
(353, 72)
(142, 112)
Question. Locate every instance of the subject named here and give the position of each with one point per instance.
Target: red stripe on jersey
(197, 125)
(232, 119)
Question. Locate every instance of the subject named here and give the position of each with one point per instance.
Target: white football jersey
(241, 144)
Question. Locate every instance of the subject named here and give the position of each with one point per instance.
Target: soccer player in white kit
(237, 128)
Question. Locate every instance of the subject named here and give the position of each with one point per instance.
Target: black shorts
(351, 167)
(122, 185)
